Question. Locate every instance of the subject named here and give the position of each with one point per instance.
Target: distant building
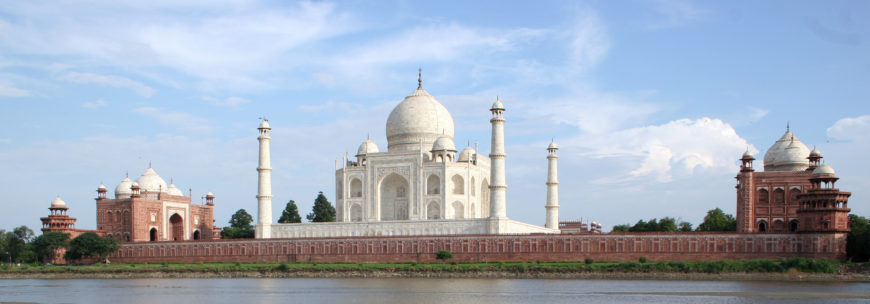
(148, 210)
(794, 194)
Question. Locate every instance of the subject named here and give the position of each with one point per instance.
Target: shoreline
(671, 276)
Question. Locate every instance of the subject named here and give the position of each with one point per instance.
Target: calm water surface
(422, 291)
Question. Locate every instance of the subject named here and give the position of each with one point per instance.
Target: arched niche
(433, 210)
(458, 210)
(355, 188)
(433, 184)
(393, 198)
(458, 184)
(356, 213)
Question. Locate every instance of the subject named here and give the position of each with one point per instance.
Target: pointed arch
(433, 184)
(393, 199)
(433, 210)
(458, 184)
(356, 188)
(356, 213)
(458, 210)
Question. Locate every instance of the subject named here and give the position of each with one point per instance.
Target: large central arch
(176, 228)
(394, 197)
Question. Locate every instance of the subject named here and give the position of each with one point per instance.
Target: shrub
(282, 267)
(443, 255)
(642, 259)
(588, 261)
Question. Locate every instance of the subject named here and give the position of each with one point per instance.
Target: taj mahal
(419, 186)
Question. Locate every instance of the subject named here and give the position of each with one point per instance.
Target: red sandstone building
(794, 194)
(144, 210)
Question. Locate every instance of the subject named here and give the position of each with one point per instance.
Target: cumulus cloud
(678, 147)
(11, 91)
(109, 80)
(851, 128)
(184, 122)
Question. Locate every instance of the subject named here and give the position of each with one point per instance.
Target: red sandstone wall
(605, 247)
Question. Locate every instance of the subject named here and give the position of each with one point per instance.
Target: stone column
(264, 192)
(552, 206)
(497, 186)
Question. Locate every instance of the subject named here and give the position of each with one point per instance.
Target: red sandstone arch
(176, 228)
(152, 235)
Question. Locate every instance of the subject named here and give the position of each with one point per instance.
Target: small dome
(824, 169)
(552, 145)
(151, 182)
(467, 154)
(102, 187)
(497, 105)
(443, 143)
(209, 194)
(124, 187)
(747, 154)
(815, 152)
(419, 117)
(172, 190)
(135, 184)
(367, 147)
(58, 203)
(787, 154)
(264, 125)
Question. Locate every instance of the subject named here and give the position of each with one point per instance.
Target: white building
(419, 186)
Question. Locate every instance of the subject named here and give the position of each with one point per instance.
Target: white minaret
(497, 186)
(264, 191)
(552, 187)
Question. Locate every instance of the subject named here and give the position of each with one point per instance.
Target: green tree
(240, 226)
(44, 245)
(322, 210)
(717, 220)
(90, 244)
(620, 228)
(685, 227)
(290, 214)
(443, 255)
(858, 239)
(667, 224)
(15, 245)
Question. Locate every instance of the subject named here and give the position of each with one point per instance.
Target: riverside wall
(489, 248)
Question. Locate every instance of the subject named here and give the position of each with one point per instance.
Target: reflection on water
(423, 291)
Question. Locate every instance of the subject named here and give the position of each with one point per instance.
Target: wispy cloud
(8, 90)
(851, 128)
(109, 80)
(226, 102)
(94, 104)
(182, 121)
(590, 41)
(674, 13)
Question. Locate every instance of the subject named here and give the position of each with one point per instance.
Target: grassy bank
(709, 267)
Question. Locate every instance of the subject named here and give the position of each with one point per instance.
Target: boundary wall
(691, 246)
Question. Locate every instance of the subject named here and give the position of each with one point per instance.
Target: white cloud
(109, 80)
(180, 120)
(679, 147)
(855, 129)
(590, 42)
(10, 91)
(227, 102)
(674, 13)
(94, 104)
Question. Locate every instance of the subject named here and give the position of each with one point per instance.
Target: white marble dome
(124, 188)
(444, 143)
(467, 154)
(787, 154)
(173, 190)
(58, 203)
(367, 147)
(264, 125)
(824, 169)
(151, 182)
(419, 116)
(552, 145)
(497, 105)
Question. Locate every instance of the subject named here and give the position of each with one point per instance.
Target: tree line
(715, 220)
(20, 246)
(241, 222)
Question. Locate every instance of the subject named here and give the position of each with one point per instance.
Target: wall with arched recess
(476, 248)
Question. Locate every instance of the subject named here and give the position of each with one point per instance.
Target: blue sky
(651, 102)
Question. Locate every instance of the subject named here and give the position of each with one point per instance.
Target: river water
(422, 291)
